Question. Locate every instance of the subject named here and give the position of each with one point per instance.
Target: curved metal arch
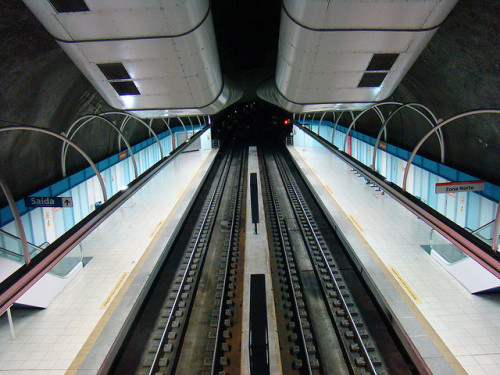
(312, 120)
(337, 122)
(167, 123)
(66, 140)
(17, 219)
(191, 122)
(335, 126)
(87, 119)
(411, 106)
(436, 128)
(320, 121)
(184, 126)
(65, 146)
(362, 113)
(151, 131)
(496, 228)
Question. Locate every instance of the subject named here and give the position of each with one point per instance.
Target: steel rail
(210, 208)
(330, 272)
(230, 249)
(282, 241)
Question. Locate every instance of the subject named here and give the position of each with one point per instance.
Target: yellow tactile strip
(96, 332)
(431, 333)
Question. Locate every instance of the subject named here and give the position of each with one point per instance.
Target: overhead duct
(151, 58)
(346, 55)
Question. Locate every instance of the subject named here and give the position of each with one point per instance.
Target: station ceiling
(457, 71)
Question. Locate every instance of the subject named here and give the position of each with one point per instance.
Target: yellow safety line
(115, 289)
(329, 189)
(87, 346)
(314, 171)
(155, 229)
(448, 355)
(180, 193)
(356, 223)
(404, 284)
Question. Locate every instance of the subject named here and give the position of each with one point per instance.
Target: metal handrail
(14, 237)
(36, 249)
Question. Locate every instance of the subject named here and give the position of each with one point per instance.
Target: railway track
(196, 325)
(359, 351)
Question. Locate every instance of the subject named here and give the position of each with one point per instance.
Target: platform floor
(123, 250)
(257, 262)
(455, 331)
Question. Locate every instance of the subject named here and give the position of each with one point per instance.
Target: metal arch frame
(191, 122)
(435, 129)
(375, 108)
(312, 120)
(17, 219)
(411, 106)
(8, 194)
(184, 126)
(320, 121)
(128, 115)
(87, 119)
(167, 123)
(336, 123)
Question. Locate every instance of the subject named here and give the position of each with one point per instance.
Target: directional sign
(48, 202)
(459, 187)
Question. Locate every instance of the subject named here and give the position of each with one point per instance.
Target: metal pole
(184, 126)
(110, 123)
(439, 126)
(335, 126)
(46, 131)
(496, 230)
(168, 126)
(312, 120)
(320, 121)
(361, 114)
(384, 127)
(191, 122)
(64, 149)
(17, 219)
(138, 119)
(11, 324)
(122, 126)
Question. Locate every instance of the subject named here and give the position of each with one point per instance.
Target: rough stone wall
(457, 72)
(40, 86)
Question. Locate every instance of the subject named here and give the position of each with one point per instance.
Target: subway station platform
(73, 335)
(454, 331)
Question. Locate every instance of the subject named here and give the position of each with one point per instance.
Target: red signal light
(286, 122)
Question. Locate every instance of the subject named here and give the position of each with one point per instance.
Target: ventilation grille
(377, 70)
(119, 79)
(66, 6)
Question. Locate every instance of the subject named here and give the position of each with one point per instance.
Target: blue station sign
(48, 202)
